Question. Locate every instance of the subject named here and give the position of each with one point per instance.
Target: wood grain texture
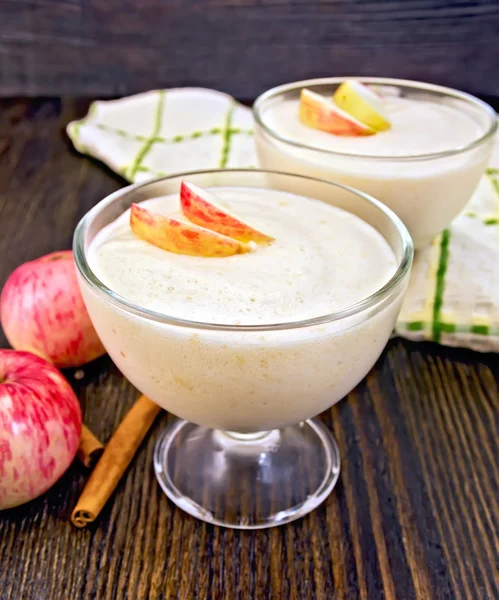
(117, 47)
(415, 515)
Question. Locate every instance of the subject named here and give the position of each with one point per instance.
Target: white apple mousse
(322, 260)
(388, 160)
(316, 259)
(417, 127)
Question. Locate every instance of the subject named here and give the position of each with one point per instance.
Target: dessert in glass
(243, 302)
(421, 151)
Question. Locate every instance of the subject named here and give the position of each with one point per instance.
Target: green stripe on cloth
(162, 140)
(438, 326)
(75, 130)
(151, 140)
(227, 135)
(417, 326)
(448, 327)
(492, 177)
(480, 329)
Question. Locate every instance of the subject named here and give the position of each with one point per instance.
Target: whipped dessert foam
(426, 193)
(323, 259)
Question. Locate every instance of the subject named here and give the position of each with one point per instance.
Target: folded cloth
(453, 296)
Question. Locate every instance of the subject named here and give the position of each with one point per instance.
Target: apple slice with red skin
(181, 237)
(362, 103)
(200, 207)
(319, 113)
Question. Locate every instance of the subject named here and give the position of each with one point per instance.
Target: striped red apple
(41, 309)
(40, 425)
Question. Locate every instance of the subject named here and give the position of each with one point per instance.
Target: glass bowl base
(247, 481)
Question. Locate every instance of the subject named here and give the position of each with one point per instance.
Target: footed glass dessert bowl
(244, 327)
(424, 161)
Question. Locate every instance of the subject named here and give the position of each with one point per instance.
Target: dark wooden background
(415, 515)
(116, 47)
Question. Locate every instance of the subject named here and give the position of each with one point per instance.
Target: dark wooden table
(414, 516)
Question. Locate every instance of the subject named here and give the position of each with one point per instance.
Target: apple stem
(55, 257)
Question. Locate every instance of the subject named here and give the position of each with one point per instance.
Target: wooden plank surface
(415, 515)
(116, 47)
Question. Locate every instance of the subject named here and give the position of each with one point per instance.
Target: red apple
(40, 425)
(41, 309)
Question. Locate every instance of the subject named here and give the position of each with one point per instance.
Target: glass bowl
(243, 451)
(426, 191)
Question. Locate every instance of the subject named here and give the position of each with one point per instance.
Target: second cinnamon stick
(90, 448)
(116, 457)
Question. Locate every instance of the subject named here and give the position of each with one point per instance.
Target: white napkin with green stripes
(453, 296)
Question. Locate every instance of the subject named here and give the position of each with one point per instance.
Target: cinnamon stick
(114, 460)
(90, 448)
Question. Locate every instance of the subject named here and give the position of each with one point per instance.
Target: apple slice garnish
(181, 237)
(200, 207)
(363, 104)
(319, 113)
